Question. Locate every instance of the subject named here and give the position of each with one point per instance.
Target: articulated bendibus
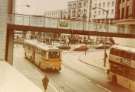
(122, 66)
(43, 55)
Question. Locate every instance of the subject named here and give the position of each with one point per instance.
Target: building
(72, 5)
(83, 9)
(57, 14)
(125, 20)
(125, 14)
(79, 9)
(99, 15)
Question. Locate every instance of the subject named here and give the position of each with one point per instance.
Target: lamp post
(105, 39)
(84, 20)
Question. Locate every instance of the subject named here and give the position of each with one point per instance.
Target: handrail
(43, 21)
(51, 17)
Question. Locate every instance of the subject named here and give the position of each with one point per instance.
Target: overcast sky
(38, 7)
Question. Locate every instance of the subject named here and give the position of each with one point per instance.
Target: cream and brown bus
(46, 57)
(122, 66)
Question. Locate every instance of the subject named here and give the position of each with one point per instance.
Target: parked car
(65, 47)
(103, 46)
(81, 48)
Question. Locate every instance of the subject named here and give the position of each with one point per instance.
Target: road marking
(107, 90)
(51, 85)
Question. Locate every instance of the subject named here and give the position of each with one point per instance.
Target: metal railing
(42, 21)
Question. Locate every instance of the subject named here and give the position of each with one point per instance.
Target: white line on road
(51, 85)
(107, 90)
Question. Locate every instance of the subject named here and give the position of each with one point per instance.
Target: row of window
(125, 12)
(80, 4)
(104, 4)
(123, 1)
(104, 13)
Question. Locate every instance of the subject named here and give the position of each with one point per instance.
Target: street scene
(76, 62)
(67, 46)
(77, 75)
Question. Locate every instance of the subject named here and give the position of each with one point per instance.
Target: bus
(46, 57)
(122, 66)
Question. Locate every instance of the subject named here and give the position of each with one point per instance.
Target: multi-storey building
(99, 15)
(72, 5)
(57, 14)
(79, 9)
(83, 9)
(125, 14)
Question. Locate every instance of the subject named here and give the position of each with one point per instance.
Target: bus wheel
(59, 69)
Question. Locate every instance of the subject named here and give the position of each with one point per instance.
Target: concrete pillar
(9, 46)
(3, 27)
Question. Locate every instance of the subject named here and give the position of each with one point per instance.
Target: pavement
(75, 76)
(97, 62)
(60, 82)
(29, 70)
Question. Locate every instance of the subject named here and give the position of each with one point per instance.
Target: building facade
(125, 14)
(63, 14)
(125, 9)
(72, 5)
(99, 15)
(79, 9)
(83, 9)
(125, 20)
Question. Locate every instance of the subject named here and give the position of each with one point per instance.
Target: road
(75, 76)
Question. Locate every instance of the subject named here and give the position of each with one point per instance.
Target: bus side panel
(37, 58)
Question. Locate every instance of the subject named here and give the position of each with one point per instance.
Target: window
(127, 11)
(99, 4)
(103, 4)
(95, 12)
(99, 12)
(112, 3)
(95, 5)
(122, 1)
(112, 11)
(54, 54)
(122, 13)
(103, 12)
(108, 4)
(79, 4)
(84, 3)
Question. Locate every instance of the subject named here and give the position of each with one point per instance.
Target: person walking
(45, 82)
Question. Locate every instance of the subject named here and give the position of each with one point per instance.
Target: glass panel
(54, 54)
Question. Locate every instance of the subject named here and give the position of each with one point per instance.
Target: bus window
(54, 54)
(43, 53)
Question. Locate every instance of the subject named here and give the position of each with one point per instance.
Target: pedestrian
(45, 82)
(105, 59)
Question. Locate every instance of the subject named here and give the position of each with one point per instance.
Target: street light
(107, 12)
(84, 20)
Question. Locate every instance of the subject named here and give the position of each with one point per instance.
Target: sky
(38, 7)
